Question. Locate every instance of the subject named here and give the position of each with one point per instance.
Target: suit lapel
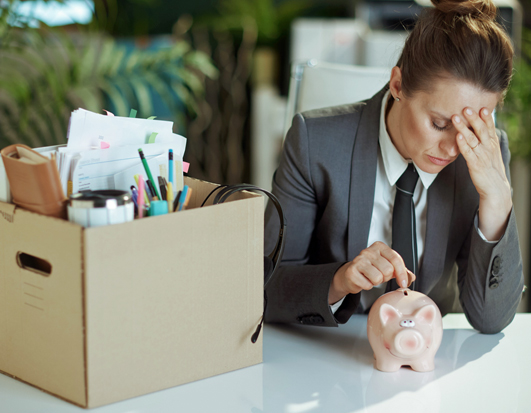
(439, 215)
(363, 176)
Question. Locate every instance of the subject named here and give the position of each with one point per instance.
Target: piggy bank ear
(426, 314)
(388, 314)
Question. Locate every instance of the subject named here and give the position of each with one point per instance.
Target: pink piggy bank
(404, 329)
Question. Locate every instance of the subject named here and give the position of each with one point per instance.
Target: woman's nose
(449, 146)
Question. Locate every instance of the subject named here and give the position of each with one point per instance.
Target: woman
(340, 166)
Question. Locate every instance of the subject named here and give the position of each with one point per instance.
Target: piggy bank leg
(423, 365)
(386, 364)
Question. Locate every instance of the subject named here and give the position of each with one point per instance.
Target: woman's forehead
(448, 97)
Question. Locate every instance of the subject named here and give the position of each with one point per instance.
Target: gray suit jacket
(325, 183)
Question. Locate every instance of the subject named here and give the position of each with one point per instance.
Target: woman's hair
(460, 39)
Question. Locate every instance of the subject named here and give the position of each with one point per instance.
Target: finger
(356, 279)
(487, 117)
(476, 122)
(370, 272)
(465, 149)
(468, 136)
(412, 277)
(383, 265)
(400, 270)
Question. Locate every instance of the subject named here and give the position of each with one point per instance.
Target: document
(87, 130)
(110, 168)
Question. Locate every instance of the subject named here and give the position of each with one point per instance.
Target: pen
(151, 189)
(148, 172)
(169, 192)
(176, 201)
(162, 185)
(183, 198)
(170, 166)
(134, 196)
(140, 197)
(187, 200)
(146, 197)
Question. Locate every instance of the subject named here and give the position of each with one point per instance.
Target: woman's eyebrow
(442, 116)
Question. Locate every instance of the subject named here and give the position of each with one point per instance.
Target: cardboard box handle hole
(35, 264)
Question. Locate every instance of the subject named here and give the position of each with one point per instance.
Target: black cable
(225, 191)
(211, 192)
(278, 250)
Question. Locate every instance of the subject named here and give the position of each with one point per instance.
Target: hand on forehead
(450, 97)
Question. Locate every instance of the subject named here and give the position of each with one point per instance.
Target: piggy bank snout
(409, 343)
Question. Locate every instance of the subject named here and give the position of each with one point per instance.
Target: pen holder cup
(99, 208)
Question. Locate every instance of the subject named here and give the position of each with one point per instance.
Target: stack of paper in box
(102, 151)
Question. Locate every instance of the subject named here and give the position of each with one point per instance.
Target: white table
(315, 369)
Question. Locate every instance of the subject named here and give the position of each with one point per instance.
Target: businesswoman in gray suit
(341, 167)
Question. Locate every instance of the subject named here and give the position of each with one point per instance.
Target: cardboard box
(103, 314)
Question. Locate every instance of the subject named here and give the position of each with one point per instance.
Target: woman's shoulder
(328, 113)
(346, 115)
(330, 121)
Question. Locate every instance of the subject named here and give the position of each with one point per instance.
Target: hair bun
(480, 9)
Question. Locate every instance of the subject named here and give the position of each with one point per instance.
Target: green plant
(515, 117)
(272, 19)
(46, 73)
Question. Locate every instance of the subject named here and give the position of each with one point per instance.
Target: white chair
(315, 84)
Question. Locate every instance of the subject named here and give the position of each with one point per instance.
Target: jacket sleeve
(298, 292)
(490, 276)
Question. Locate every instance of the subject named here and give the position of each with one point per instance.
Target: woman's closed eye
(439, 128)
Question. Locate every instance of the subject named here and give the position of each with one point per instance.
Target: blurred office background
(230, 74)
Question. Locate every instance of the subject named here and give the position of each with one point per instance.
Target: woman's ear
(395, 83)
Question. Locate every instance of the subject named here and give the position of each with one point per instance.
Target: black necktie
(404, 224)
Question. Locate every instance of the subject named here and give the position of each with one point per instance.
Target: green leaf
(115, 97)
(200, 61)
(142, 95)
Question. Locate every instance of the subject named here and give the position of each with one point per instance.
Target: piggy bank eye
(407, 323)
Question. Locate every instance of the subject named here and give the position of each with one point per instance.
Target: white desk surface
(317, 369)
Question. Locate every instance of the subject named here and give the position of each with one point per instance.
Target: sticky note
(152, 137)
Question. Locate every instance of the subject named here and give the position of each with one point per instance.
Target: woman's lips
(439, 161)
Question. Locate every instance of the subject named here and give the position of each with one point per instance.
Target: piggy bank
(404, 329)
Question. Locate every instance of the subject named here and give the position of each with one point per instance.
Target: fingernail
(485, 112)
(457, 119)
(469, 112)
(460, 136)
(404, 283)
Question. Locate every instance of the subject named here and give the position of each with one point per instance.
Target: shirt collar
(394, 164)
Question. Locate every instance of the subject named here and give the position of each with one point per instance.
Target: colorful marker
(146, 197)
(188, 196)
(141, 191)
(170, 167)
(148, 172)
(169, 195)
(134, 195)
(176, 201)
(183, 198)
